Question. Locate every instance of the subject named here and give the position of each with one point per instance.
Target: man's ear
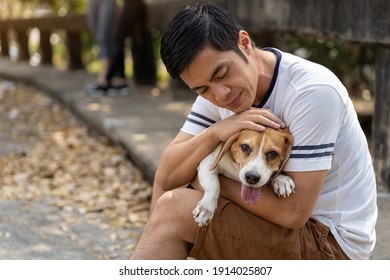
(244, 41)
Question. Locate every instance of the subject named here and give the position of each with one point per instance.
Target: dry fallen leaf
(61, 159)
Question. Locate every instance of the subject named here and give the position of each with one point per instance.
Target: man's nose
(221, 91)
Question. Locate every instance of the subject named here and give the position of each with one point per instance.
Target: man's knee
(173, 210)
(164, 203)
(177, 201)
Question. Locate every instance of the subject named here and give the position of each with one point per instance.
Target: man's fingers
(265, 117)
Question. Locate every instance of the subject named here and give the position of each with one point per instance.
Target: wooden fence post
(4, 43)
(74, 48)
(22, 39)
(46, 51)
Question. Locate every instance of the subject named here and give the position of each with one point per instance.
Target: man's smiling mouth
(234, 103)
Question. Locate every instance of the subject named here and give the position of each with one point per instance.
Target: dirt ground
(65, 192)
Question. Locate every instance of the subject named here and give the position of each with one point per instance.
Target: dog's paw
(283, 185)
(203, 213)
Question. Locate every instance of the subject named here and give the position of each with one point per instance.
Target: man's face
(224, 78)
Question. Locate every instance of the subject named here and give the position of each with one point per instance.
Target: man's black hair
(194, 28)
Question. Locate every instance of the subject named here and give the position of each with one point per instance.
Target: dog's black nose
(252, 178)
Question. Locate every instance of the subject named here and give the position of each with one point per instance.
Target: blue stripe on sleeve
(202, 117)
(197, 122)
(312, 151)
(313, 155)
(313, 147)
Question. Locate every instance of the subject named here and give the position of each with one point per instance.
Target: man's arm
(178, 163)
(291, 212)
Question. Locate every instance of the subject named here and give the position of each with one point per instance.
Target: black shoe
(122, 89)
(97, 88)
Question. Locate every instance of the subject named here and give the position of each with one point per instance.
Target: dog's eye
(272, 155)
(245, 148)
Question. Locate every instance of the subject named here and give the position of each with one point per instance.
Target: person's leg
(318, 243)
(116, 72)
(170, 227)
(232, 234)
(92, 17)
(105, 37)
(237, 234)
(158, 191)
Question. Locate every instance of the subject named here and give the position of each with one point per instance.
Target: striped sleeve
(203, 114)
(199, 119)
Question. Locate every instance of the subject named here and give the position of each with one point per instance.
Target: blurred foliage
(27, 8)
(58, 5)
(352, 63)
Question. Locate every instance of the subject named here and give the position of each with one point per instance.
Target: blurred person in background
(102, 16)
(133, 24)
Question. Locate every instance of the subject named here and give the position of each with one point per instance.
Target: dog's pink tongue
(250, 195)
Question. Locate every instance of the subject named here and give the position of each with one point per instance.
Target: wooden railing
(359, 21)
(73, 25)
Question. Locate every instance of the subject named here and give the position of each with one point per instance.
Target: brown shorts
(237, 234)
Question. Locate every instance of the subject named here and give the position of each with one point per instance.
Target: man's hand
(253, 119)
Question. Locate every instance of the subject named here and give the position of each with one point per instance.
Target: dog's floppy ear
(288, 140)
(226, 146)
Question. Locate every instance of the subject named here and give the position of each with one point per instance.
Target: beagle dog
(253, 158)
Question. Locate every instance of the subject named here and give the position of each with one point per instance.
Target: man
(333, 212)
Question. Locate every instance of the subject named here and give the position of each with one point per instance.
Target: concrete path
(39, 231)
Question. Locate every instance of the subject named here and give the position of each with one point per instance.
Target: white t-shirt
(316, 107)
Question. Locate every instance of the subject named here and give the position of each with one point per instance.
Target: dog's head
(261, 156)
